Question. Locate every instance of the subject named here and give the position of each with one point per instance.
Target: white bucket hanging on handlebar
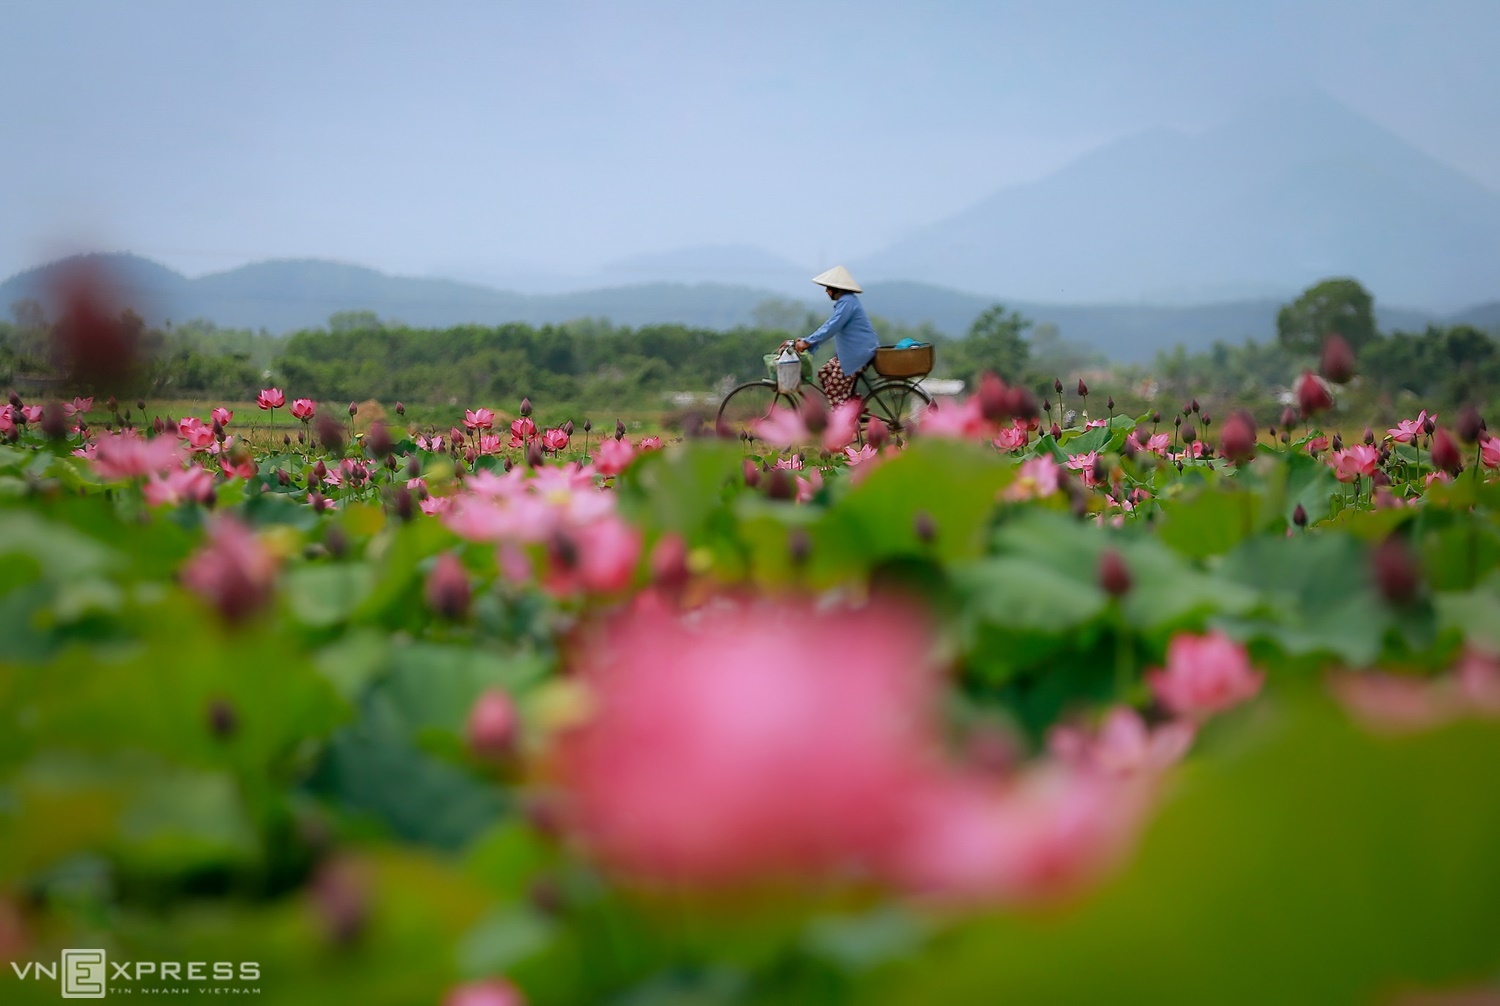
(788, 371)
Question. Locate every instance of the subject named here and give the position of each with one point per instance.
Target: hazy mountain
(722, 264)
(1266, 204)
(288, 295)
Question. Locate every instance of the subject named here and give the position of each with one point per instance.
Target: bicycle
(892, 394)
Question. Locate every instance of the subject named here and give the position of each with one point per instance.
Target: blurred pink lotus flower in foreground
(960, 421)
(753, 742)
(1400, 704)
(127, 456)
(1037, 478)
(613, 456)
(843, 425)
(488, 992)
(183, 485)
(271, 398)
(1123, 745)
(599, 558)
(1049, 833)
(232, 570)
(782, 429)
(1204, 675)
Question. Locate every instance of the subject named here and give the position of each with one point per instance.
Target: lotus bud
(1369, 437)
(1109, 403)
(1195, 406)
(1237, 439)
(1299, 516)
(1177, 421)
(1155, 417)
(1206, 420)
(1057, 385)
(282, 478)
(1337, 363)
(340, 901)
(1395, 569)
(525, 407)
(992, 397)
(1056, 432)
(1469, 425)
(402, 502)
(330, 433)
(752, 474)
(1338, 442)
(286, 440)
(318, 500)
(798, 542)
(1114, 575)
(814, 415)
(568, 427)
(378, 440)
(400, 409)
(1380, 478)
(534, 458)
(1445, 454)
(619, 429)
(924, 527)
(1047, 405)
(493, 724)
(54, 423)
(320, 470)
(563, 551)
(223, 721)
(447, 589)
(391, 463)
(1083, 389)
(336, 542)
(1428, 425)
(1189, 434)
(17, 403)
(353, 410)
(1098, 473)
(587, 425)
(1020, 403)
(877, 433)
(779, 485)
(669, 563)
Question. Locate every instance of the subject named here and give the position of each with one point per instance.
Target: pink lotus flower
(1037, 478)
(1316, 445)
(1047, 835)
(270, 398)
(650, 444)
(242, 467)
(790, 463)
(189, 485)
(521, 431)
(1408, 430)
(1204, 675)
(479, 419)
(304, 409)
(734, 748)
(1438, 477)
(221, 415)
(1355, 462)
(434, 505)
(843, 424)
(1084, 463)
(782, 429)
(1123, 745)
(513, 563)
(957, 421)
(7, 420)
(1399, 704)
(808, 487)
(33, 413)
(489, 992)
(614, 456)
(597, 558)
(198, 435)
(1011, 438)
(859, 455)
(127, 456)
(435, 443)
(78, 406)
(1489, 452)
(1190, 451)
(489, 443)
(232, 570)
(555, 440)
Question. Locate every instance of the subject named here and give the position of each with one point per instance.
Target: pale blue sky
(493, 139)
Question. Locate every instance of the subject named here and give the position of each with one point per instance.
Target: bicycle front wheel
(749, 403)
(899, 404)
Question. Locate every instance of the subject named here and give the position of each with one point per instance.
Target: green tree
(996, 341)
(1334, 306)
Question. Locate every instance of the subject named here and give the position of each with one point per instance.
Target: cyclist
(854, 339)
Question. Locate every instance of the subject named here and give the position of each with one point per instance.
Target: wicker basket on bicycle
(914, 361)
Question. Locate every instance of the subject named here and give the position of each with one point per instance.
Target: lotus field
(1032, 703)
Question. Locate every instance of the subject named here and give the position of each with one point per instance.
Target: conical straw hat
(838, 277)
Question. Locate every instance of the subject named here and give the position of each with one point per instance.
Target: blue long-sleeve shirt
(854, 338)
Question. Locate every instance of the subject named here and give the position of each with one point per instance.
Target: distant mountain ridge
(288, 295)
(1290, 192)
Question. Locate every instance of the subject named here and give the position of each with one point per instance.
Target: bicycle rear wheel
(749, 403)
(898, 403)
